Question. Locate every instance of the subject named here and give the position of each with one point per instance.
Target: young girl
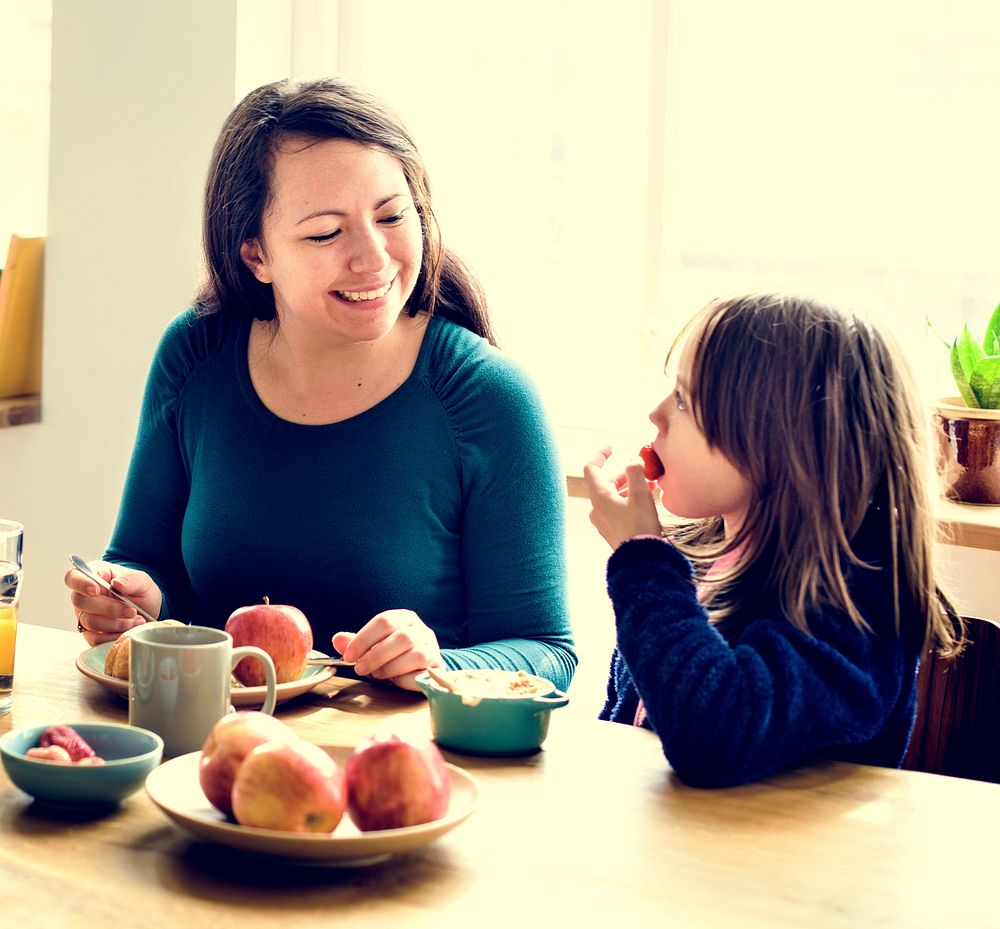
(784, 619)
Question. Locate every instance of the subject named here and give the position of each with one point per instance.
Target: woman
(330, 426)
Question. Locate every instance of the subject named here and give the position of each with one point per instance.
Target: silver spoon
(441, 680)
(329, 663)
(84, 569)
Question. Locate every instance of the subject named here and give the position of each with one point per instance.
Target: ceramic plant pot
(968, 451)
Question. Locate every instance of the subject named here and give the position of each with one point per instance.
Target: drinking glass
(11, 542)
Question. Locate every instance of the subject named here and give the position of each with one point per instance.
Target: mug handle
(245, 651)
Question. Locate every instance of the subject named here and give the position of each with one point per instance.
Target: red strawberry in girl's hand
(651, 463)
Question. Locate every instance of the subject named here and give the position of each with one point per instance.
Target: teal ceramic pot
(509, 725)
(129, 754)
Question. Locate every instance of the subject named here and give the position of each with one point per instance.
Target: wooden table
(593, 830)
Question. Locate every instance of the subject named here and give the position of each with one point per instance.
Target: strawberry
(68, 738)
(652, 465)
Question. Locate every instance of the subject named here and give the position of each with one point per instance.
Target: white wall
(138, 94)
(973, 579)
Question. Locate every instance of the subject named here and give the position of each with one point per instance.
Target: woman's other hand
(102, 617)
(623, 506)
(393, 646)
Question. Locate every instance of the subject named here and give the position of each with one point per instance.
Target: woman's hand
(622, 507)
(102, 617)
(394, 646)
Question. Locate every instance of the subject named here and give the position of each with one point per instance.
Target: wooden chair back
(957, 731)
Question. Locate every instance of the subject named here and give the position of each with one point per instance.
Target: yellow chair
(21, 318)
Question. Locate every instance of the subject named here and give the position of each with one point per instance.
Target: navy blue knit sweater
(734, 706)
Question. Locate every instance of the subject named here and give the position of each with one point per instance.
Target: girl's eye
(323, 238)
(679, 400)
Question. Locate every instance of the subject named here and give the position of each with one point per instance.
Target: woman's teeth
(354, 296)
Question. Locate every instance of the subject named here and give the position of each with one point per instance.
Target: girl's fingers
(635, 477)
(599, 483)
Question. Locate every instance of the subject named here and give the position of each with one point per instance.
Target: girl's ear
(253, 257)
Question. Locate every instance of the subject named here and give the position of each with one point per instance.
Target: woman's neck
(305, 380)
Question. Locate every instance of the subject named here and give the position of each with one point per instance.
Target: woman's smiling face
(340, 239)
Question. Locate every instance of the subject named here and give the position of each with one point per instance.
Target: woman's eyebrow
(331, 212)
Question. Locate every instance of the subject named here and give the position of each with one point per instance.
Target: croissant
(116, 662)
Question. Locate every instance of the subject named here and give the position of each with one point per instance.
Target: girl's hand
(394, 646)
(622, 507)
(102, 616)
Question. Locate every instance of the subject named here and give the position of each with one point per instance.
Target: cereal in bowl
(482, 683)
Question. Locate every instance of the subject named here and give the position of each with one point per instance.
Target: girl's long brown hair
(818, 410)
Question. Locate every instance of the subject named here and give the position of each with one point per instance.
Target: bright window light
(25, 66)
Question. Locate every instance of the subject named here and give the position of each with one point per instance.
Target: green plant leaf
(985, 382)
(966, 353)
(991, 340)
(934, 332)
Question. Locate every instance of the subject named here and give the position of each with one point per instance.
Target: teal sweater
(445, 499)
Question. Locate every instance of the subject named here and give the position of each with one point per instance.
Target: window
(608, 172)
(848, 152)
(535, 123)
(25, 64)
(607, 169)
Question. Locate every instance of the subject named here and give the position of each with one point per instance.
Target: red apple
(282, 631)
(289, 784)
(393, 782)
(232, 738)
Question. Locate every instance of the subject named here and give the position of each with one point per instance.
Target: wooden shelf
(19, 411)
(969, 525)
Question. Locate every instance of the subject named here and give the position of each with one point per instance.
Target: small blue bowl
(129, 754)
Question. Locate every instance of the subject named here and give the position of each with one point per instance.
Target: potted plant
(968, 426)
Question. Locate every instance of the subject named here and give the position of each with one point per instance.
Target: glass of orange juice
(11, 542)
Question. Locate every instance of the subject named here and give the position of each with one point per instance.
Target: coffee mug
(179, 680)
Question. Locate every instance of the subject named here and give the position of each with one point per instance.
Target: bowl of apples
(259, 787)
